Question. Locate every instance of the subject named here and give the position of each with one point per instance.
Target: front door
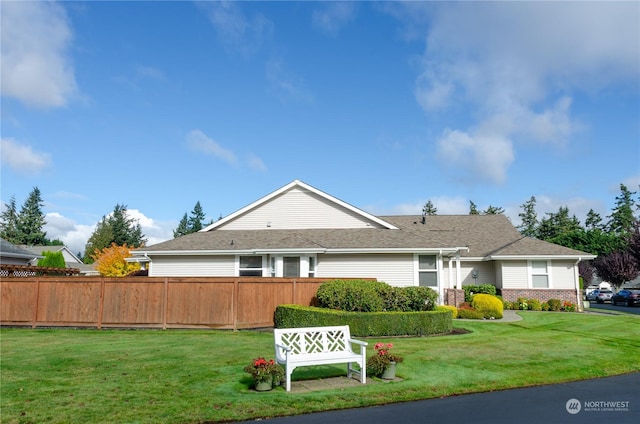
(291, 266)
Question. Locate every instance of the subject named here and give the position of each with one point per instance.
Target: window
(312, 266)
(250, 266)
(427, 271)
(539, 275)
(291, 266)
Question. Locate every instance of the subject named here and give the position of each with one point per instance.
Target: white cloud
(333, 16)
(236, 31)
(22, 158)
(286, 84)
(256, 163)
(35, 64)
(517, 70)
(154, 231)
(200, 142)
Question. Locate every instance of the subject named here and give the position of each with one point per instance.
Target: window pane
(427, 261)
(540, 281)
(250, 273)
(429, 279)
(291, 267)
(539, 267)
(250, 261)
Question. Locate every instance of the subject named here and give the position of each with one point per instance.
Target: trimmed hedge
(489, 306)
(469, 291)
(366, 324)
(374, 296)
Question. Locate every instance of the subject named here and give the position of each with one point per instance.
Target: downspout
(576, 279)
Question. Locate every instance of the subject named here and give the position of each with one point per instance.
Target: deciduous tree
(617, 267)
(110, 261)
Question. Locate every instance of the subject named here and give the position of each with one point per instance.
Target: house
(10, 254)
(70, 259)
(300, 231)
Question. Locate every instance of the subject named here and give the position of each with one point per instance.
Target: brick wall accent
(542, 295)
(453, 297)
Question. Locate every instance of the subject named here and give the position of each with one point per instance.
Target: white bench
(297, 347)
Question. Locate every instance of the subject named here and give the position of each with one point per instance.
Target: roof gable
(298, 206)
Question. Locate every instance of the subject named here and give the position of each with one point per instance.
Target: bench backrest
(312, 340)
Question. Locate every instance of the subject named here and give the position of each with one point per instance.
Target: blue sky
(385, 105)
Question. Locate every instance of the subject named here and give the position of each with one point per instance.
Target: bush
(489, 306)
(469, 291)
(545, 306)
(52, 260)
(366, 324)
(352, 295)
(554, 304)
(374, 296)
(534, 305)
(453, 309)
(523, 304)
(470, 314)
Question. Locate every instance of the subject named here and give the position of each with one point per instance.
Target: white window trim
(304, 265)
(530, 273)
(265, 268)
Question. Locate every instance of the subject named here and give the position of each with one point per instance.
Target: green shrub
(545, 306)
(453, 309)
(374, 296)
(554, 304)
(469, 291)
(366, 324)
(52, 259)
(534, 305)
(352, 295)
(469, 314)
(490, 306)
(523, 304)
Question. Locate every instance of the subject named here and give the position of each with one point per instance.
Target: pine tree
(31, 220)
(529, 225)
(493, 210)
(183, 227)
(557, 224)
(621, 219)
(117, 228)
(196, 218)
(473, 210)
(429, 209)
(9, 223)
(593, 221)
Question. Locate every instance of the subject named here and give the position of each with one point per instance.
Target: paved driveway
(598, 401)
(609, 307)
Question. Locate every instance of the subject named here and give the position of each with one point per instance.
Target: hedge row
(366, 324)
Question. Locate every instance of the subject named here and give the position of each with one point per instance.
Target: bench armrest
(286, 348)
(359, 342)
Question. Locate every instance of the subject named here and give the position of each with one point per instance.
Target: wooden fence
(150, 302)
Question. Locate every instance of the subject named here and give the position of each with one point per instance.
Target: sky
(384, 105)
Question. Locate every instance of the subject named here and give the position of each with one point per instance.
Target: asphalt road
(611, 400)
(619, 307)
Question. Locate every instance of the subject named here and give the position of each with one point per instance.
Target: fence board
(150, 302)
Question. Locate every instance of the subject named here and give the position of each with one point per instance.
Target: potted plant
(266, 373)
(383, 363)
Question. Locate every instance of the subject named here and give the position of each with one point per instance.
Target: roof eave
(585, 257)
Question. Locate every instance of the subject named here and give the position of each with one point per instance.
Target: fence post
(101, 306)
(36, 301)
(165, 301)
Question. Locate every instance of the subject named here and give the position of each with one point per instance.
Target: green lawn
(178, 376)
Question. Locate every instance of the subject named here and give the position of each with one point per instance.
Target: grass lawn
(179, 376)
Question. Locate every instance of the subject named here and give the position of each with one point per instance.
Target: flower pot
(264, 385)
(389, 372)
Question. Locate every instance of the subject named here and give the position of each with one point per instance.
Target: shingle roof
(483, 235)
(11, 250)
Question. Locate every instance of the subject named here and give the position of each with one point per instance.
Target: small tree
(110, 261)
(617, 268)
(52, 260)
(429, 209)
(473, 209)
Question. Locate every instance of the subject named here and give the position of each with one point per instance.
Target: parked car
(593, 295)
(626, 297)
(604, 296)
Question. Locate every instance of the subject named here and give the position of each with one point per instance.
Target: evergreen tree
(621, 219)
(593, 221)
(31, 220)
(429, 209)
(52, 260)
(493, 210)
(9, 223)
(183, 227)
(196, 218)
(529, 224)
(118, 229)
(556, 224)
(473, 210)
